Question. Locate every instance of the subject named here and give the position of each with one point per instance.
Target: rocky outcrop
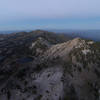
(39, 46)
(37, 86)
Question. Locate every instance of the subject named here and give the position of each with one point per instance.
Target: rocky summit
(41, 65)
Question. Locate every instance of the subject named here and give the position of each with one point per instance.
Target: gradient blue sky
(49, 14)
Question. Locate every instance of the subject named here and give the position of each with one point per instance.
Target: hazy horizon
(49, 14)
(87, 34)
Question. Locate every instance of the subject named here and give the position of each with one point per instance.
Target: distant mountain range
(13, 31)
(89, 34)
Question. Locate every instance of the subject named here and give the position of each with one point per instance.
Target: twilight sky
(49, 14)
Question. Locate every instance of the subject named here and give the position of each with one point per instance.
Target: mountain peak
(64, 49)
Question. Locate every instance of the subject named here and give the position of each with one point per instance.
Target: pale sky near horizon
(51, 14)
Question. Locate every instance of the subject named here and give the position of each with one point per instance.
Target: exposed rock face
(39, 86)
(39, 47)
(64, 49)
(48, 71)
(50, 84)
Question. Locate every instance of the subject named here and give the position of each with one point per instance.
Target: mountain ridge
(46, 69)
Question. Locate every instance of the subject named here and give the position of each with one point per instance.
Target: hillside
(40, 65)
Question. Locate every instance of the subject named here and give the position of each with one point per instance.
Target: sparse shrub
(80, 69)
